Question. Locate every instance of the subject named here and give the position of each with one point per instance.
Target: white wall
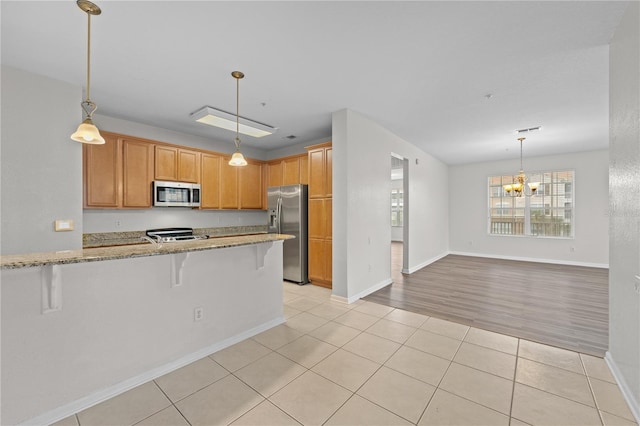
(122, 324)
(41, 165)
(624, 263)
(361, 196)
(468, 203)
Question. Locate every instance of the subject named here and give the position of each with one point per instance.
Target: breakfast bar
(92, 323)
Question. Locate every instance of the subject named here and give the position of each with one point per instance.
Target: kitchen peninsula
(124, 315)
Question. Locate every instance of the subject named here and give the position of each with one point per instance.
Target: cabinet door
(228, 185)
(328, 171)
(328, 218)
(210, 184)
(101, 173)
(188, 166)
(304, 169)
(250, 186)
(316, 173)
(137, 173)
(317, 219)
(274, 174)
(328, 265)
(291, 171)
(166, 163)
(317, 265)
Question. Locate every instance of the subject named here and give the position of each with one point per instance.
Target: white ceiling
(422, 69)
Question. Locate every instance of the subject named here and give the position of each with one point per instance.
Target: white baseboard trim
(633, 404)
(114, 390)
(532, 259)
(423, 264)
(370, 290)
(364, 293)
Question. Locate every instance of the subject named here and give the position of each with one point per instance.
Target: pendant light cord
(237, 141)
(88, 57)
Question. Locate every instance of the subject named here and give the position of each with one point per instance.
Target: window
(397, 205)
(549, 213)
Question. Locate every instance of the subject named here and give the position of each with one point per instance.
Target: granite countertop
(128, 251)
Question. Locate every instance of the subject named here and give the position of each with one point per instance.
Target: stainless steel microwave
(176, 194)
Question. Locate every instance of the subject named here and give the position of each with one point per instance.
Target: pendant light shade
(87, 132)
(237, 159)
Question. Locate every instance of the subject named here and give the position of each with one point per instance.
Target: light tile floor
(368, 364)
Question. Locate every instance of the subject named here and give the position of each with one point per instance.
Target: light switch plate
(63, 225)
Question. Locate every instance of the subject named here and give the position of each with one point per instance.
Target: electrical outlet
(118, 223)
(198, 314)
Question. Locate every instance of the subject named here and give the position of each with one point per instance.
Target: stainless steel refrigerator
(287, 214)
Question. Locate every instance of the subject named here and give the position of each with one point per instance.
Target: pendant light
(87, 132)
(237, 159)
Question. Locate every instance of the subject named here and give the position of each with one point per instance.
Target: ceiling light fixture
(219, 118)
(518, 186)
(237, 159)
(87, 132)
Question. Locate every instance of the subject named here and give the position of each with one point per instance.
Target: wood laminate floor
(558, 305)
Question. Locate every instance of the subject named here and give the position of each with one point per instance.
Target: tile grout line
(593, 394)
(513, 386)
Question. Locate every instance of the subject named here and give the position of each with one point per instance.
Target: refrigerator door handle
(279, 213)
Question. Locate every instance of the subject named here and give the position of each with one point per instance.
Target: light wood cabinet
(101, 173)
(320, 214)
(274, 173)
(229, 198)
(137, 173)
(291, 171)
(188, 166)
(304, 169)
(177, 164)
(210, 181)
(118, 174)
(251, 188)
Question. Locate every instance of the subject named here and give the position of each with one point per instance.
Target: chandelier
(519, 186)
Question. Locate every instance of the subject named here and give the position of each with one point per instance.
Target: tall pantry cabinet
(320, 220)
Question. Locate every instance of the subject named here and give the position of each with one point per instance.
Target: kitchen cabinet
(251, 187)
(288, 171)
(274, 173)
(137, 173)
(320, 214)
(210, 181)
(118, 174)
(229, 198)
(177, 164)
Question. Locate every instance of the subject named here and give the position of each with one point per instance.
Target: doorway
(399, 216)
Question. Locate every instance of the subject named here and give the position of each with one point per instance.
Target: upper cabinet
(210, 181)
(320, 169)
(119, 173)
(177, 164)
(288, 171)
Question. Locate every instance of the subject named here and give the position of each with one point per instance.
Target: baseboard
(114, 390)
(634, 405)
(423, 264)
(532, 259)
(370, 290)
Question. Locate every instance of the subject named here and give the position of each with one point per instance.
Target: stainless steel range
(173, 235)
